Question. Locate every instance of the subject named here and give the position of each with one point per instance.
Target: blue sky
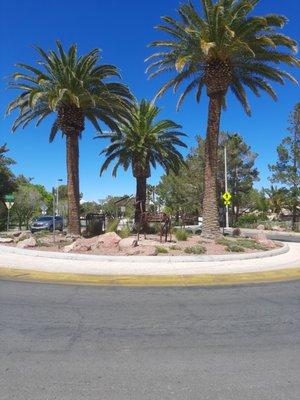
(122, 30)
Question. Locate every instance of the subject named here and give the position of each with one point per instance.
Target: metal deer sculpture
(162, 218)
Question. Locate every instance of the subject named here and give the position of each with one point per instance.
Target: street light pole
(53, 216)
(226, 185)
(58, 180)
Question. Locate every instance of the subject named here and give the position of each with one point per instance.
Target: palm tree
(75, 88)
(141, 143)
(277, 199)
(225, 48)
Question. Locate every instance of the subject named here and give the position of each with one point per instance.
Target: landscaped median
(31, 265)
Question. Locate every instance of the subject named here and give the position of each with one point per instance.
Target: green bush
(223, 241)
(250, 244)
(161, 249)
(247, 219)
(124, 232)
(234, 248)
(181, 235)
(173, 247)
(197, 249)
(112, 225)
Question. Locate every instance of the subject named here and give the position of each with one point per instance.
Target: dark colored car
(46, 223)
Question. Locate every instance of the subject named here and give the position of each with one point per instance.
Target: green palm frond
(62, 79)
(143, 141)
(224, 32)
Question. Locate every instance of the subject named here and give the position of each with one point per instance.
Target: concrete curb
(203, 280)
(144, 259)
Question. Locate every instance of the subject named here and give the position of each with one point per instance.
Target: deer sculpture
(161, 218)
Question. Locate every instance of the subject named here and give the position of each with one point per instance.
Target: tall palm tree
(141, 143)
(225, 48)
(75, 88)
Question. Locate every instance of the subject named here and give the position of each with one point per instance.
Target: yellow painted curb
(150, 280)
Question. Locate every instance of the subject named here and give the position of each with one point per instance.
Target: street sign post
(227, 201)
(9, 202)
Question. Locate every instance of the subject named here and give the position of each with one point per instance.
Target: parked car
(45, 222)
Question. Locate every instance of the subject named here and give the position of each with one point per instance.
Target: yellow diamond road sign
(227, 196)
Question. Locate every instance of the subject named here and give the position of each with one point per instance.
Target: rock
(236, 232)
(22, 236)
(69, 248)
(6, 240)
(23, 244)
(277, 228)
(17, 233)
(81, 245)
(72, 237)
(141, 251)
(127, 243)
(269, 244)
(262, 239)
(110, 239)
(261, 227)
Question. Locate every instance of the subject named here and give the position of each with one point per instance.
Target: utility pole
(226, 185)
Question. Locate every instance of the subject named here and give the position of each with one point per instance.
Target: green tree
(144, 142)
(7, 178)
(277, 199)
(223, 47)
(183, 191)
(88, 207)
(241, 172)
(287, 169)
(75, 88)
(256, 200)
(27, 204)
(7, 182)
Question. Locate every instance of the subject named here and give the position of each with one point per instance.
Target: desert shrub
(112, 225)
(161, 249)
(41, 243)
(181, 234)
(173, 247)
(250, 244)
(234, 248)
(223, 241)
(124, 232)
(197, 249)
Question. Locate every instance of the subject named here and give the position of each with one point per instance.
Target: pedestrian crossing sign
(227, 198)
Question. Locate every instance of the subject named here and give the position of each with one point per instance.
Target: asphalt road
(93, 343)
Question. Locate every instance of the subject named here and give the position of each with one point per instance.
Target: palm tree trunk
(73, 183)
(211, 225)
(140, 198)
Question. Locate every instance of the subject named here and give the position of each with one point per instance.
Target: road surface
(94, 343)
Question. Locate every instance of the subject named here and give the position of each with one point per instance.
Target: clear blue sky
(122, 30)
